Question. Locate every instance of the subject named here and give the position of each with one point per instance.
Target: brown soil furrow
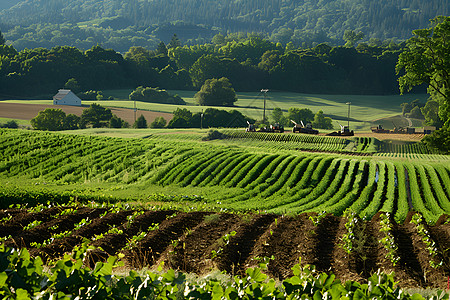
(237, 252)
(43, 232)
(324, 241)
(23, 218)
(155, 243)
(409, 261)
(432, 277)
(112, 243)
(98, 226)
(289, 240)
(185, 241)
(193, 253)
(9, 213)
(343, 263)
(369, 256)
(441, 234)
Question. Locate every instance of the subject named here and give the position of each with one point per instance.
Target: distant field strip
(236, 178)
(315, 143)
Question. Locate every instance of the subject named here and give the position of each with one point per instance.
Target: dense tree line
(249, 63)
(118, 24)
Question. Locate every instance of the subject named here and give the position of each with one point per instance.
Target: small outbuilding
(66, 97)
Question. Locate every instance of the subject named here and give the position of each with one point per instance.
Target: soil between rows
(200, 242)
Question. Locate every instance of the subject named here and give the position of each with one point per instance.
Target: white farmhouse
(66, 97)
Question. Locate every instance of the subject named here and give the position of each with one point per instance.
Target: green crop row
(228, 174)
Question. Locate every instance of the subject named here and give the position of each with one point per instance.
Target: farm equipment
(272, 128)
(402, 130)
(345, 131)
(250, 128)
(276, 128)
(301, 128)
(379, 129)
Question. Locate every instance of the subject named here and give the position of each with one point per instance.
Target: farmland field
(345, 204)
(366, 111)
(200, 242)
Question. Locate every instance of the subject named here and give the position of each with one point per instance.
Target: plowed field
(200, 242)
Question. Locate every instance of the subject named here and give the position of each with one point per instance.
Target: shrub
(155, 95)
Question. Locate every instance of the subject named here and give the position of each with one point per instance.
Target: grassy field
(365, 111)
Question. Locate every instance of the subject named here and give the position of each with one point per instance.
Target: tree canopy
(146, 23)
(216, 92)
(427, 61)
(96, 115)
(51, 119)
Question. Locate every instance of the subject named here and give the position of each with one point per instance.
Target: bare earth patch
(29, 111)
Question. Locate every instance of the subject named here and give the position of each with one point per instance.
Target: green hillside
(302, 22)
(279, 173)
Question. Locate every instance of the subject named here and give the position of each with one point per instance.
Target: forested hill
(298, 21)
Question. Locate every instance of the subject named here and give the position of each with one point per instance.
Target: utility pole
(264, 112)
(135, 110)
(348, 114)
(201, 120)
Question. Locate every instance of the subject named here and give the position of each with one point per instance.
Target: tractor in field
(301, 128)
(403, 130)
(345, 131)
(251, 127)
(379, 129)
(277, 127)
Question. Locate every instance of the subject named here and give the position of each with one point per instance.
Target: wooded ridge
(305, 23)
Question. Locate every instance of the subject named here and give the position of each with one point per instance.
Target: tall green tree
(96, 115)
(174, 42)
(162, 49)
(322, 122)
(73, 85)
(141, 122)
(427, 61)
(51, 119)
(351, 38)
(2, 39)
(216, 92)
(300, 114)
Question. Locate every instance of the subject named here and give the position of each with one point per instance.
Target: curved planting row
(286, 183)
(233, 177)
(200, 242)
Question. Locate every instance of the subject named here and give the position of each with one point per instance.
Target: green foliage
(431, 113)
(300, 114)
(2, 39)
(322, 122)
(426, 61)
(350, 37)
(10, 124)
(214, 135)
(116, 122)
(141, 122)
(416, 113)
(278, 117)
(155, 95)
(22, 277)
(243, 171)
(51, 119)
(91, 95)
(216, 92)
(72, 84)
(159, 122)
(96, 115)
(314, 22)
